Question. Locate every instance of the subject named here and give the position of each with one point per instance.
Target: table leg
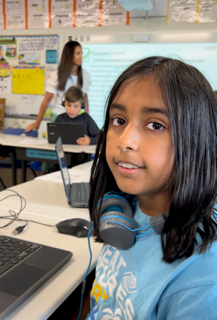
(24, 162)
(14, 168)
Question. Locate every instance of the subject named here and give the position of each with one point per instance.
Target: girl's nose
(129, 140)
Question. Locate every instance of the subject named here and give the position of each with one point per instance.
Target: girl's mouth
(127, 165)
(128, 168)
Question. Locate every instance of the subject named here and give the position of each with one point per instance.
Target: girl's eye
(118, 122)
(155, 126)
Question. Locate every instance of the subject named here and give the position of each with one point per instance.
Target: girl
(69, 73)
(157, 147)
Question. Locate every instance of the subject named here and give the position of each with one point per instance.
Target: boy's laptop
(77, 193)
(69, 132)
(24, 266)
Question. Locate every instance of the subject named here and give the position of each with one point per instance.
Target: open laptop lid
(63, 168)
(59, 129)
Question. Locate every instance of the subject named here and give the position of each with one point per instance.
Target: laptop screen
(63, 167)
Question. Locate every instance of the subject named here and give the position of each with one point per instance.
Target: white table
(90, 149)
(46, 203)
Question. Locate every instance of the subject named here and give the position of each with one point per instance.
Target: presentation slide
(106, 62)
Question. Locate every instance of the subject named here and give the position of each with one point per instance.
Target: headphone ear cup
(63, 103)
(117, 234)
(117, 209)
(114, 202)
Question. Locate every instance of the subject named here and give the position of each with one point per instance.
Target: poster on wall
(43, 14)
(38, 14)
(8, 51)
(28, 80)
(87, 13)
(15, 14)
(61, 14)
(191, 11)
(14, 7)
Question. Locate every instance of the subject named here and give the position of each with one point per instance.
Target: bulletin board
(26, 63)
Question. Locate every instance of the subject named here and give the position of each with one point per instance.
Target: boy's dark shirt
(90, 127)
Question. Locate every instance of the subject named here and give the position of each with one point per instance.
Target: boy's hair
(74, 94)
(66, 64)
(215, 93)
(192, 112)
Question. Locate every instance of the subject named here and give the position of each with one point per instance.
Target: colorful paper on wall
(191, 11)
(34, 14)
(28, 80)
(29, 58)
(61, 14)
(5, 77)
(38, 14)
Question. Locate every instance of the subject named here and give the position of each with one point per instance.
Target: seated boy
(74, 104)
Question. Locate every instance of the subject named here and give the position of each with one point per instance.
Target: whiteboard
(106, 62)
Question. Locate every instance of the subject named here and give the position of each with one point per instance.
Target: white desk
(46, 202)
(90, 149)
(14, 141)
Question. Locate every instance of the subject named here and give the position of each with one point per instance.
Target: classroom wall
(156, 29)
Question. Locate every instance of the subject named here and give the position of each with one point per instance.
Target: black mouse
(77, 227)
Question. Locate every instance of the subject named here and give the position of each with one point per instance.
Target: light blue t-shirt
(137, 284)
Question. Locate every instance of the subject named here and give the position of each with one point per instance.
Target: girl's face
(77, 58)
(139, 149)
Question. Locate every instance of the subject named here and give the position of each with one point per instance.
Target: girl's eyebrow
(144, 110)
(155, 110)
(117, 106)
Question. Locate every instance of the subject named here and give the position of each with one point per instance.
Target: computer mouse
(77, 227)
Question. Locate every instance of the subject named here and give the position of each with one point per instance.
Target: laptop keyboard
(13, 251)
(82, 192)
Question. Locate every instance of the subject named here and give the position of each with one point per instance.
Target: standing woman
(69, 73)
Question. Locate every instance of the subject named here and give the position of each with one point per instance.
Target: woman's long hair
(192, 111)
(66, 64)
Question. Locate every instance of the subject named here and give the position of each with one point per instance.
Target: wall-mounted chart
(43, 14)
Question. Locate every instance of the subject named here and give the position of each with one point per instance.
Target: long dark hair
(66, 64)
(193, 117)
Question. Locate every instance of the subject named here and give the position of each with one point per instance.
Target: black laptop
(69, 132)
(77, 194)
(24, 266)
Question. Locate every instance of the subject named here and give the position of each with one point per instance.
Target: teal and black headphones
(117, 227)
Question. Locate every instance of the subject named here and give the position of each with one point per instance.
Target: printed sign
(41, 154)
